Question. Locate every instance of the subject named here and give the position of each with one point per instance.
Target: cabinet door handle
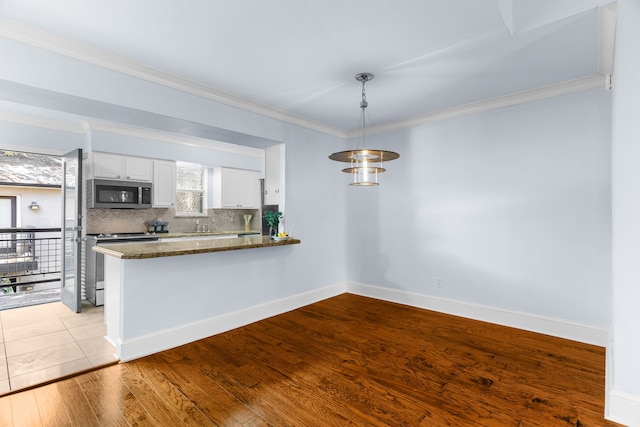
(277, 190)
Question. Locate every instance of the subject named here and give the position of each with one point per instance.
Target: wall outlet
(438, 282)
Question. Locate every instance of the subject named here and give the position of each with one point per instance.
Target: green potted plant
(272, 218)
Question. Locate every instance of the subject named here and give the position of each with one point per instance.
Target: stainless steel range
(94, 280)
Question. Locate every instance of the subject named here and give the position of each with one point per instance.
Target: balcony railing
(30, 260)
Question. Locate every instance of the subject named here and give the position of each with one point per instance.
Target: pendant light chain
(363, 106)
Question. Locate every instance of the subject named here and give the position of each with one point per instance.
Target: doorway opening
(41, 339)
(30, 197)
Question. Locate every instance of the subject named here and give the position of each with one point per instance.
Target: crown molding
(565, 88)
(54, 43)
(607, 16)
(64, 46)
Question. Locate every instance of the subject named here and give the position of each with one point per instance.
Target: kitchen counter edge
(165, 249)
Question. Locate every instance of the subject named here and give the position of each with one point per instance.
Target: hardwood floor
(348, 360)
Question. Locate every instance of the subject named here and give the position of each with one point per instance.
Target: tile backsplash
(133, 220)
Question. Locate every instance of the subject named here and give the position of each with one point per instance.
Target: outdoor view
(29, 229)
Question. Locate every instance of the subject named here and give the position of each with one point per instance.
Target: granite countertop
(172, 235)
(188, 247)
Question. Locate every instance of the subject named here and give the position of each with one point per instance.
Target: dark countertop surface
(188, 247)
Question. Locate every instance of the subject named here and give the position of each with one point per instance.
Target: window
(190, 189)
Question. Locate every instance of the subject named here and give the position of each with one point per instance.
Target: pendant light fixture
(366, 163)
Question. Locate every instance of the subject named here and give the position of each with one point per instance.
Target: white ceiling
(300, 56)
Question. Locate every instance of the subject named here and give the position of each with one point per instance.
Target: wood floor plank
(76, 403)
(6, 414)
(275, 393)
(178, 403)
(321, 378)
(48, 400)
(105, 393)
(223, 375)
(214, 401)
(154, 405)
(347, 360)
(24, 409)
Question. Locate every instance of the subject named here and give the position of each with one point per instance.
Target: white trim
(64, 46)
(191, 141)
(169, 338)
(144, 345)
(528, 322)
(564, 88)
(607, 16)
(55, 43)
(623, 408)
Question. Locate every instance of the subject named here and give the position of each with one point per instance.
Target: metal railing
(29, 257)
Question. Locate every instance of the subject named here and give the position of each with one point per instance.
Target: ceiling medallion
(366, 163)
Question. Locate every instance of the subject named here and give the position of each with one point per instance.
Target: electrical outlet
(438, 282)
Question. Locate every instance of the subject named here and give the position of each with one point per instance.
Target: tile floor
(44, 342)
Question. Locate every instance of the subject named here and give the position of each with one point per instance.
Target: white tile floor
(44, 342)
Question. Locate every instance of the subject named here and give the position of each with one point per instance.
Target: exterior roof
(29, 169)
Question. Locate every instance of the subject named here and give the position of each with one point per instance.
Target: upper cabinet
(164, 183)
(106, 165)
(138, 169)
(274, 175)
(113, 166)
(235, 189)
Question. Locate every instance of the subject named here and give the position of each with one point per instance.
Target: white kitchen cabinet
(138, 169)
(113, 166)
(164, 183)
(235, 189)
(274, 175)
(106, 165)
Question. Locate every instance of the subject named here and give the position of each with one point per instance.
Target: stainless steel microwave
(103, 193)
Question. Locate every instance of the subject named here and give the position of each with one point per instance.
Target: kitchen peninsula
(161, 295)
(188, 247)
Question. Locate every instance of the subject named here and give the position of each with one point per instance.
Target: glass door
(71, 229)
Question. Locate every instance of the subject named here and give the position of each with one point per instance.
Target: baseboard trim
(169, 338)
(144, 345)
(623, 408)
(543, 325)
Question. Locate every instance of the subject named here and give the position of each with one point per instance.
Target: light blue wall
(316, 196)
(509, 208)
(25, 137)
(623, 372)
